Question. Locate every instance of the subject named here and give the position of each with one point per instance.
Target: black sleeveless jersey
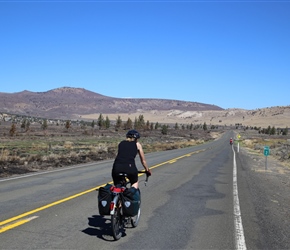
(127, 151)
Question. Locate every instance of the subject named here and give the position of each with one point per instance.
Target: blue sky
(233, 54)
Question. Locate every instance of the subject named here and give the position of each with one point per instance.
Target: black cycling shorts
(132, 173)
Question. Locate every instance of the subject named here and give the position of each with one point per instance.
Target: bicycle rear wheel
(135, 219)
(117, 223)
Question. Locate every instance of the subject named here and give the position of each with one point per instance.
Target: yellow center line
(74, 196)
(16, 224)
(48, 205)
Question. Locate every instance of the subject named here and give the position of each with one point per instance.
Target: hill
(73, 103)
(82, 104)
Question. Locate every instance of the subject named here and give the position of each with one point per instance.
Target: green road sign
(266, 150)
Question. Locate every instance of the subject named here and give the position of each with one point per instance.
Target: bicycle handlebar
(147, 175)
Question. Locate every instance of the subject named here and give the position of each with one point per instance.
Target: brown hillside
(81, 104)
(73, 103)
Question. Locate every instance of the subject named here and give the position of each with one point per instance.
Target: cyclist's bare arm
(142, 156)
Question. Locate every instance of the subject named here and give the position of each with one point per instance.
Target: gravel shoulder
(268, 193)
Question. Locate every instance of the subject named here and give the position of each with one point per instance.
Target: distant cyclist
(125, 159)
(231, 141)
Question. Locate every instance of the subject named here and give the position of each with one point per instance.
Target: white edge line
(239, 231)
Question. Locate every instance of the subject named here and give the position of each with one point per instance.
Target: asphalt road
(193, 200)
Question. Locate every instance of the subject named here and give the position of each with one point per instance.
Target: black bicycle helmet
(133, 134)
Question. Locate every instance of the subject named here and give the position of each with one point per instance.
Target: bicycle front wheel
(135, 219)
(117, 223)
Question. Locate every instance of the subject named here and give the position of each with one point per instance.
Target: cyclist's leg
(133, 177)
(135, 185)
(115, 174)
(116, 178)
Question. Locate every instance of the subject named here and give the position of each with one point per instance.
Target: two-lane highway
(190, 202)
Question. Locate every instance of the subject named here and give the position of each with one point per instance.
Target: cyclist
(125, 159)
(231, 141)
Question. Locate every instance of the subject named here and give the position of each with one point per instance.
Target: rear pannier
(131, 201)
(105, 197)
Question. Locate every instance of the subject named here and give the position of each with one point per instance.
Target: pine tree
(44, 124)
(107, 122)
(268, 131)
(156, 125)
(273, 131)
(136, 123)
(285, 131)
(176, 126)
(147, 125)
(27, 125)
(93, 126)
(67, 124)
(141, 122)
(191, 126)
(12, 130)
(118, 123)
(164, 130)
(23, 124)
(100, 121)
(128, 124)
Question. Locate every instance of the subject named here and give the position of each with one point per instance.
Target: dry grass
(279, 145)
(34, 151)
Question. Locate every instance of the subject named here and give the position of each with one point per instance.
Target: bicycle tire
(117, 223)
(135, 219)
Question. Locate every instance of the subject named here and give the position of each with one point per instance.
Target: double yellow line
(17, 223)
(18, 220)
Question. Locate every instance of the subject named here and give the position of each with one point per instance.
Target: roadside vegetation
(31, 144)
(279, 144)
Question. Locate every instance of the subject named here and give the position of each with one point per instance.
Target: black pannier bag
(105, 197)
(131, 200)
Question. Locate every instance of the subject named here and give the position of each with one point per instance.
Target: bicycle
(118, 220)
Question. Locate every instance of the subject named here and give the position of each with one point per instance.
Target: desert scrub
(279, 146)
(4, 154)
(34, 153)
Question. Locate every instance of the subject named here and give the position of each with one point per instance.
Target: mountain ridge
(68, 102)
(81, 104)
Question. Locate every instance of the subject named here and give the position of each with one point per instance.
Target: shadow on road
(99, 226)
